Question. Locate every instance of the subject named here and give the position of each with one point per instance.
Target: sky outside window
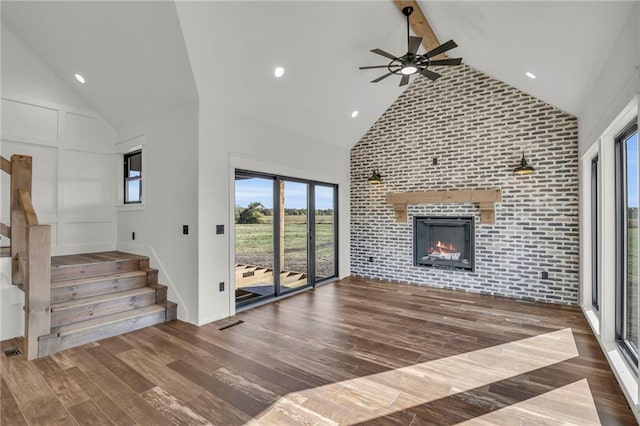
(632, 170)
(261, 190)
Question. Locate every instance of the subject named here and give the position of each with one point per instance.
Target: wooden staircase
(76, 299)
(99, 295)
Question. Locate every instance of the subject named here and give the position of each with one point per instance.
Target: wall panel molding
(73, 180)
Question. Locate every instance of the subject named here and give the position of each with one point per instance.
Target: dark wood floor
(354, 351)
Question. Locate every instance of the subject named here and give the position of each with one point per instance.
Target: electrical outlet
(133, 235)
(219, 229)
(221, 285)
(185, 229)
(545, 275)
(435, 161)
(370, 258)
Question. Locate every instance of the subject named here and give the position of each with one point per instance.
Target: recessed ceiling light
(530, 75)
(278, 72)
(80, 78)
(354, 114)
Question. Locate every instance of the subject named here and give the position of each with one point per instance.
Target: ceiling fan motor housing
(407, 11)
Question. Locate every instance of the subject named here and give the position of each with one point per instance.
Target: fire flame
(442, 248)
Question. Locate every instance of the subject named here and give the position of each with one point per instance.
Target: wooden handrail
(30, 216)
(20, 179)
(5, 230)
(5, 164)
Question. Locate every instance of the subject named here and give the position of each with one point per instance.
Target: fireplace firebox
(444, 242)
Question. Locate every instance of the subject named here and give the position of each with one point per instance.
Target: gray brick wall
(477, 128)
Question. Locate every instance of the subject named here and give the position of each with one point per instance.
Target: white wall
(25, 75)
(230, 140)
(612, 104)
(73, 183)
(614, 88)
(170, 181)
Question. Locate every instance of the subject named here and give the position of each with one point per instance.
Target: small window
(133, 177)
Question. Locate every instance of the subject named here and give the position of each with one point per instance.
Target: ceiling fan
(411, 63)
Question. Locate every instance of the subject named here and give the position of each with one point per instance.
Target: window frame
(595, 240)
(629, 352)
(127, 179)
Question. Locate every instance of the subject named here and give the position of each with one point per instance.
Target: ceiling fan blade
(381, 77)
(430, 74)
(441, 49)
(383, 53)
(373, 66)
(414, 44)
(404, 80)
(450, 61)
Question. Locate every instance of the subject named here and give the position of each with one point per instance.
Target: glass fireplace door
(444, 242)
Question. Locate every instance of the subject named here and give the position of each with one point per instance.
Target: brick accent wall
(477, 128)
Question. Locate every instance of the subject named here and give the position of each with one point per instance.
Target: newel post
(37, 282)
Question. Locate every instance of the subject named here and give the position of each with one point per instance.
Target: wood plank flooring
(352, 352)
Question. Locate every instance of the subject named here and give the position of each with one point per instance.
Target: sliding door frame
(310, 231)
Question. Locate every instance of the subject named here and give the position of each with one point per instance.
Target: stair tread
(101, 298)
(92, 258)
(107, 319)
(98, 278)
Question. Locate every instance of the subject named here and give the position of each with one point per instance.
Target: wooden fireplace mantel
(485, 198)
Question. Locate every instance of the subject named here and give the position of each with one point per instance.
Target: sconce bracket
(485, 198)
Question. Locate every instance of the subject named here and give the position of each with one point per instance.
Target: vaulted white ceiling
(565, 44)
(131, 53)
(136, 64)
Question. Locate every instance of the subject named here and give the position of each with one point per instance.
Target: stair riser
(161, 293)
(172, 311)
(152, 275)
(256, 279)
(52, 343)
(293, 279)
(63, 273)
(81, 313)
(95, 288)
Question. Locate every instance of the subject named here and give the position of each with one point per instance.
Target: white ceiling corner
(131, 53)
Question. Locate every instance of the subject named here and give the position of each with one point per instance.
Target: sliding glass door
(294, 235)
(627, 286)
(285, 235)
(325, 227)
(254, 237)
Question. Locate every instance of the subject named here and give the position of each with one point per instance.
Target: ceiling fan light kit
(411, 63)
(409, 69)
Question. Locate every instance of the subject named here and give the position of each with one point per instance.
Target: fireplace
(444, 242)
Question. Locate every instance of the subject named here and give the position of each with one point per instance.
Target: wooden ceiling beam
(420, 26)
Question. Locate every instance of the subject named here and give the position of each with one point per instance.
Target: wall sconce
(375, 177)
(524, 168)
